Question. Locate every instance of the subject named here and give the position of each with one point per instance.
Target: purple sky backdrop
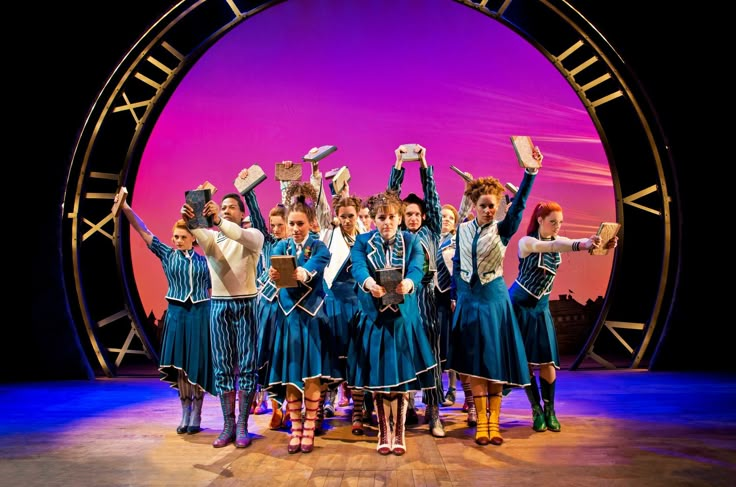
(368, 77)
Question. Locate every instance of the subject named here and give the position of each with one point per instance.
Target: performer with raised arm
(232, 254)
(423, 217)
(485, 342)
(540, 255)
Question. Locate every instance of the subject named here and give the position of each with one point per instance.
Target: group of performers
(249, 340)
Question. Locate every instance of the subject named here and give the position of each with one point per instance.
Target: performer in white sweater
(232, 256)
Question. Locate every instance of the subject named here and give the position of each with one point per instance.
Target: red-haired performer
(539, 257)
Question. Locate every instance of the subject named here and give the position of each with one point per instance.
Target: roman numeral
(630, 200)
(591, 61)
(131, 107)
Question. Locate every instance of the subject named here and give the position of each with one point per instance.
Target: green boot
(532, 392)
(548, 396)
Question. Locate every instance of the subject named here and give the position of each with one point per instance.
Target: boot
(196, 419)
(399, 408)
(435, 423)
(330, 401)
(227, 436)
(480, 405)
(471, 409)
(494, 409)
(294, 410)
(383, 410)
(344, 395)
(277, 417)
(532, 393)
(186, 413)
(548, 396)
(245, 398)
(449, 397)
(320, 412)
(261, 403)
(310, 424)
(358, 396)
(368, 409)
(412, 417)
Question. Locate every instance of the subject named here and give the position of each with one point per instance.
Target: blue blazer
(368, 255)
(309, 295)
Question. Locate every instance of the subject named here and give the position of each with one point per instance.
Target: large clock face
(111, 144)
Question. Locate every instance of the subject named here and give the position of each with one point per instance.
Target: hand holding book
(528, 155)
(607, 232)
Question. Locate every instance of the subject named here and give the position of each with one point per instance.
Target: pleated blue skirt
(536, 326)
(186, 345)
(302, 349)
(391, 354)
(485, 340)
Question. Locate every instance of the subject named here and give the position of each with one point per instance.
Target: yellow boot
(481, 430)
(494, 431)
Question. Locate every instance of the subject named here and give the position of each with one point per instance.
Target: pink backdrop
(368, 77)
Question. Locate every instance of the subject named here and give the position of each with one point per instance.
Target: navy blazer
(368, 255)
(309, 295)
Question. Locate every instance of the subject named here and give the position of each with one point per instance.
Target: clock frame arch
(96, 250)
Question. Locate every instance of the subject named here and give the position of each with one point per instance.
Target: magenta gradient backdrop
(368, 77)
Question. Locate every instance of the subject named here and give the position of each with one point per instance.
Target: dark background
(83, 41)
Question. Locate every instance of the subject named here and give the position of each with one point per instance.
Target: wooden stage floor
(619, 428)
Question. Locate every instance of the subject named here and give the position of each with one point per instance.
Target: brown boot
(277, 417)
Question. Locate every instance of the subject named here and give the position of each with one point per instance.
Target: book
(255, 177)
(524, 149)
(318, 153)
(461, 174)
(210, 186)
(293, 173)
(197, 199)
(286, 265)
(338, 179)
(121, 196)
(389, 278)
(606, 230)
(409, 154)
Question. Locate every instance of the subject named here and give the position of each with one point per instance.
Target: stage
(619, 427)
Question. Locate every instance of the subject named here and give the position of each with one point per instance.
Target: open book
(607, 230)
(410, 154)
(197, 199)
(319, 153)
(524, 148)
(389, 278)
(293, 173)
(118, 205)
(255, 177)
(285, 264)
(338, 179)
(210, 186)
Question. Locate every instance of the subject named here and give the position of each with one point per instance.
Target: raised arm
(137, 224)
(431, 196)
(397, 173)
(508, 226)
(322, 209)
(530, 245)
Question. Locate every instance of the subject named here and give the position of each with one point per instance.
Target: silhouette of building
(574, 321)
